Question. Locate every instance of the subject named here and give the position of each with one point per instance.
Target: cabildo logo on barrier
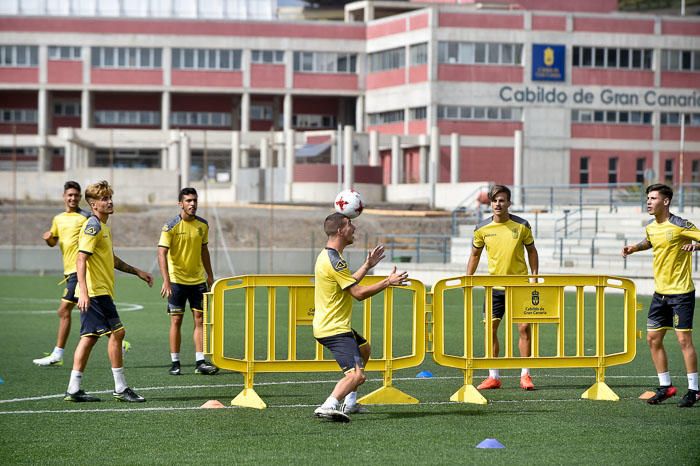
(606, 96)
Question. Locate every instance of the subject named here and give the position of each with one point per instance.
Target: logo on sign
(548, 62)
(535, 298)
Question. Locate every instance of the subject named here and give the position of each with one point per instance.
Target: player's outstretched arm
(641, 246)
(166, 290)
(81, 271)
(126, 268)
(395, 278)
(374, 257)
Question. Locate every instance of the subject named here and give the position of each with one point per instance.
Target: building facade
(426, 97)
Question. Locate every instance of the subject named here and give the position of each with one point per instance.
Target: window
(126, 57)
(674, 119)
(201, 119)
(640, 167)
(583, 170)
(387, 60)
(695, 171)
(19, 55)
(127, 117)
(418, 113)
(206, 59)
(453, 112)
(313, 121)
(668, 172)
(68, 109)
(65, 53)
(612, 57)
(599, 116)
(612, 170)
(267, 56)
(419, 54)
(261, 112)
(324, 62)
(469, 53)
(17, 115)
(382, 118)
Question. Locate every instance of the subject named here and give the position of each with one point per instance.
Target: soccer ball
(349, 203)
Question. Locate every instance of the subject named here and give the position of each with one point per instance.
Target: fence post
(566, 223)
(624, 259)
(580, 197)
(592, 253)
(561, 252)
(444, 250)
(418, 249)
(610, 199)
(596, 221)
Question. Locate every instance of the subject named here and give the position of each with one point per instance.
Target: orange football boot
(489, 383)
(526, 382)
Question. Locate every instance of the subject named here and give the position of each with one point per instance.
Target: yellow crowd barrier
(226, 320)
(542, 304)
(539, 304)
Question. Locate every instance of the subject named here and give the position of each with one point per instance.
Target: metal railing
(417, 247)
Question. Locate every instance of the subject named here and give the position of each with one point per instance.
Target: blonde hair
(98, 190)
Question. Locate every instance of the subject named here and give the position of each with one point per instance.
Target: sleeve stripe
(85, 252)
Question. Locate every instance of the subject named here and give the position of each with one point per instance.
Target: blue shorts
(498, 304)
(69, 292)
(346, 349)
(668, 311)
(101, 318)
(177, 302)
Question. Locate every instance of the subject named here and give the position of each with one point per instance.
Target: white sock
(175, 357)
(664, 379)
(119, 379)
(58, 352)
(198, 356)
(350, 399)
(330, 403)
(693, 381)
(76, 377)
(494, 373)
(524, 371)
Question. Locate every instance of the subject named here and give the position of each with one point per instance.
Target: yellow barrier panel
(539, 304)
(300, 313)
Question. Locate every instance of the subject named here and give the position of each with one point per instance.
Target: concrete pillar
(348, 165)
(165, 110)
(517, 167)
(185, 160)
(245, 112)
(235, 162)
(42, 115)
(173, 150)
(396, 156)
(264, 154)
(287, 112)
(423, 158)
(288, 164)
(85, 109)
(433, 163)
(374, 149)
(360, 113)
(454, 158)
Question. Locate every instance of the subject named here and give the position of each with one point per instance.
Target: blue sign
(548, 62)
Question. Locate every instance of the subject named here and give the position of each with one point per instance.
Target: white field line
(121, 307)
(297, 382)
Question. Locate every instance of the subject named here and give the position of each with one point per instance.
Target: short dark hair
(497, 189)
(662, 189)
(333, 223)
(186, 192)
(71, 185)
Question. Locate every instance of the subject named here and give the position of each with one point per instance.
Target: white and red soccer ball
(349, 203)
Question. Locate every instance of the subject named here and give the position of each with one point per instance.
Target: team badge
(514, 233)
(535, 298)
(200, 231)
(341, 264)
(669, 236)
(92, 231)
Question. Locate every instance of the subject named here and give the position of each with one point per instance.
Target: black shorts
(69, 292)
(498, 304)
(101, 318)
(346, 349)
(668, 311)
(177, 302)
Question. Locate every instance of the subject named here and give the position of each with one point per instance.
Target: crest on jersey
(514, 233)
(200, 231)
(669, 236)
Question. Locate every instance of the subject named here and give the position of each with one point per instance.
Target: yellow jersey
(672, 271)
(96, 240)
(505, 244)
(184, 241)
(333, 304)
(65, 227)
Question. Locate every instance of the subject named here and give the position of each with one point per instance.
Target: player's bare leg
(525, 347)
(493, 381)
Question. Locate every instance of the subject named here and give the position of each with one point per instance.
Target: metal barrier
(300, 308)
(539, 304)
